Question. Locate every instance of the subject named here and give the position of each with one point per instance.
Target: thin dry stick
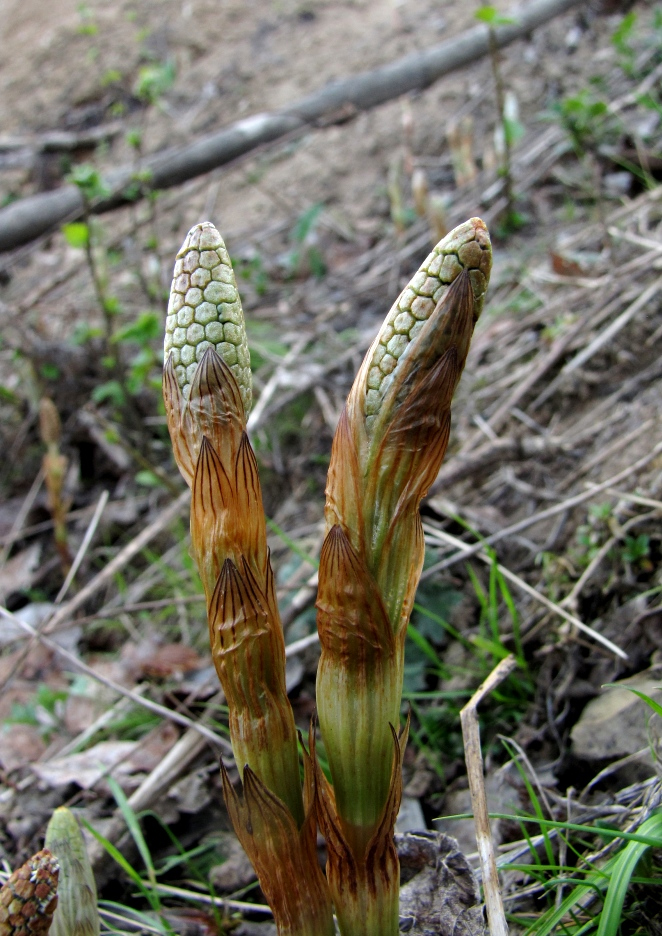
(613, 328)
(272, 384)
(169, 891)
(543, 514)
(121, 707)
(21, 658)
(570, 600)
(180, 755)
(84, 546)
(552, 606)
(635, 498)
(116, 687)
(123, 557)
(474, 759)
(601, 456)
(524, 586)
(21, 515)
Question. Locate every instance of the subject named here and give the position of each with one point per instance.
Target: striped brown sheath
(207, 392)
(387, 450)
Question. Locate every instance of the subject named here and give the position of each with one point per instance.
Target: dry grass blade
(78, 664)
(120, 561)
(84, 546)
(474, 759)
(543, 514)
(524, 586)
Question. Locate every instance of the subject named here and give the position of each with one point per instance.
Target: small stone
(181, 283)
(617, 722)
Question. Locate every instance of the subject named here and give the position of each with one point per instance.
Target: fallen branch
(26, 219)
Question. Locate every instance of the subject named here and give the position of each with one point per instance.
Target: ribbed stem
(207, 391)
(389, 444)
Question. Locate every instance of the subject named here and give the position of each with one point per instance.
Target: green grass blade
(651, 703)
(625, 865)
(442, 623)
(301, 553)
(126, 866)
(423, 644)
(134, 827)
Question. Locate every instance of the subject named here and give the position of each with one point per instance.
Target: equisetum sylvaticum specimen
(387, 450)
